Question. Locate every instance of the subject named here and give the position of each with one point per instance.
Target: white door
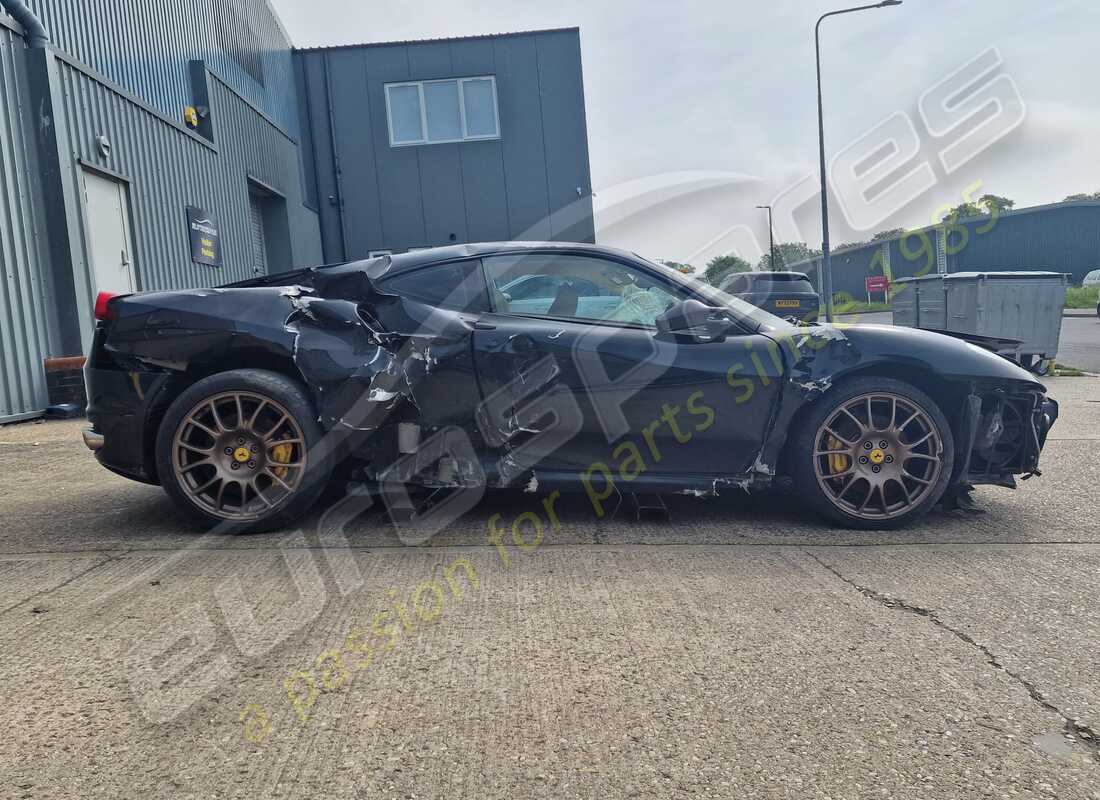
(108, 216)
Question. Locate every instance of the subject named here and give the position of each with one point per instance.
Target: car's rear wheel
(237, 450)
(873, 453)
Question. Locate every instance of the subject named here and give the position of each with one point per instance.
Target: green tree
(991, 202)
(964, 211)
(1082, 196)
(786, 254)
(892, 233)
(721, 266)
(985, 205)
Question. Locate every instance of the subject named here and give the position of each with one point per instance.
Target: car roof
(765, 275)
(438, 255)
(778, 275)
(384, 266)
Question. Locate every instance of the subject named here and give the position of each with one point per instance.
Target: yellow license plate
(786, 304)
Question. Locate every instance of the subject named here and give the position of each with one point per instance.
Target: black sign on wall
(206, 245)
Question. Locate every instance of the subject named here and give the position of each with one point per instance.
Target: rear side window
(781, 283)
(733, 284)
(458, 286)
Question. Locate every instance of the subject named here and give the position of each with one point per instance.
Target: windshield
(761, 319)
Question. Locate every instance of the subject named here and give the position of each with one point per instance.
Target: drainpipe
(337, 199)
(36, 35)
(49, 185)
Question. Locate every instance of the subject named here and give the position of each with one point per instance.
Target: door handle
(484, 326)
(125, 259)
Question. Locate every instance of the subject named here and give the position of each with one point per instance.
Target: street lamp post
(771, 238)
(826, 261)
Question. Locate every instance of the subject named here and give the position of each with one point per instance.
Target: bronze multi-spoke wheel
(239, 454)
(880, 453)
(235, 449)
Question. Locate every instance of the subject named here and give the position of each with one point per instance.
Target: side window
(576, 287)
(735, 284)
(457, 286)
(530, 286)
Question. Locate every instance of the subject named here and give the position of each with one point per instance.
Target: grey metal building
(1059, 237)
(147, 47)
(184, 144)
(423, 144)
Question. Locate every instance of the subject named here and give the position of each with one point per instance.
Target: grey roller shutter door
(256, 234)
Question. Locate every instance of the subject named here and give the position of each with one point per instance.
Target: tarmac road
(1078, 346)
(742, 649)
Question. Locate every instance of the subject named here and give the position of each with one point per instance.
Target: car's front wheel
(237, 450)
(873, 453)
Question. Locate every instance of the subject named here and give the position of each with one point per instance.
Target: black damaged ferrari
(540, 365)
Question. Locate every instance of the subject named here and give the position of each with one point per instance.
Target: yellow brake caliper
(281, 454)
(838, 462)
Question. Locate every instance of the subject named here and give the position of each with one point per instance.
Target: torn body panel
(359, 368)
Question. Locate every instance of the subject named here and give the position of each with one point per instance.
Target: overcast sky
(713, 102)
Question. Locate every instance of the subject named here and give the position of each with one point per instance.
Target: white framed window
(442, 111)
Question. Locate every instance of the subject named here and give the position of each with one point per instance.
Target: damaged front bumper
(1004, 433)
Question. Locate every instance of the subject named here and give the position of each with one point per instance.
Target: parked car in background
(1092, 278)
(785, 294)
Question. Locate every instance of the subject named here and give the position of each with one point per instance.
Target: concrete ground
(742, 650)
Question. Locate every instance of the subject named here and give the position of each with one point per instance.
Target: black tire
(803, 443)
(284, 395)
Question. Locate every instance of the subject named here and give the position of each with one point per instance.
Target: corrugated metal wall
(1059, 239)
(170, 168)
(23, 328)
(523, 185)
(1062, 237)
(145, 46)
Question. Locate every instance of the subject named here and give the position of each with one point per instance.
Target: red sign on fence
(877, 283)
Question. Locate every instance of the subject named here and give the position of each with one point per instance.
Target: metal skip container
(1018, 314)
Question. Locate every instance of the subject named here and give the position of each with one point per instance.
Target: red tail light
(103, 310)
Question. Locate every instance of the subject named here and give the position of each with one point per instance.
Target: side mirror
(694, 320)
